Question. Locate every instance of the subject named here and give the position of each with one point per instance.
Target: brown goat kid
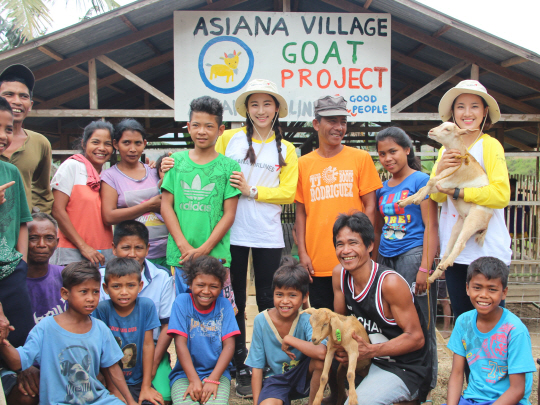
(325, 324)
(473, 219)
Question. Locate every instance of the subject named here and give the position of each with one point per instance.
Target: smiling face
(18, 96)
(204, 130)
(350, 249)
(469, 111)
(6, 130)
(288, 301)
(82, 298)
(331, 130)
(123, 290)
(131, 247)
(42, 241)
(98, 149)
(392, 156)
(205, 288)
(486, 295)
(130, 146)
(262, 109)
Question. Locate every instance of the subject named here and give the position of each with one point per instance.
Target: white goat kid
(473, 219)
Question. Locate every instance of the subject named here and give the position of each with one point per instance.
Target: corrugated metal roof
(146, 13)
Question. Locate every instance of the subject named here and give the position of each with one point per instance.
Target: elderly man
(333, 179)
(29, 151)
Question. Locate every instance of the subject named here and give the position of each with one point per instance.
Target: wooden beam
(110, 46)
(533, 96)
(475, 72)
(499, 135)
(222, 5)
(92, 84)
(102, 113)
(517, 144)
(516, 60)
(81, 91)
(447, 47)
(435, 117)
(367, 4)
(58, 57)
(434, 71)
(286, 6)
(136, 80)
(417, 95)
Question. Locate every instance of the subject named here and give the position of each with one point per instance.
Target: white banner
(307, 55)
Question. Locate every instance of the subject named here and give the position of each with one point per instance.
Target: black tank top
(413, 368)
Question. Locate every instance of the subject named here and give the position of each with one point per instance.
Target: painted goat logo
(228, 69)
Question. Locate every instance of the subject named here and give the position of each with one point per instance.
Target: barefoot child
(492, 340)
(282, 340)
(131, 320)
(72, 347)
(203, 325)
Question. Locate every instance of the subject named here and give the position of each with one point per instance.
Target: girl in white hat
(268, 179)
(470, 106)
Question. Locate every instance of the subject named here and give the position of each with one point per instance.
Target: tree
(26, 19)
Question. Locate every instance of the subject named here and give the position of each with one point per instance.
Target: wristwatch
(456, 194)
(252, 192)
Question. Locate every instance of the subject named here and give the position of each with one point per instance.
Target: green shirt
(199, 192)
(13, 213)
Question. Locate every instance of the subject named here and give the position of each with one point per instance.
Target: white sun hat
(468, 87)
(261, 86)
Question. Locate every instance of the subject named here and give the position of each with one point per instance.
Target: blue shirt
(129, 332)
(205, 332)
(70, 362)
(492, 356)
(266, 343)
(403, 228)
(158, 285)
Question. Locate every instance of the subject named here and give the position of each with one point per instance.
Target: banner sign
(307, 55)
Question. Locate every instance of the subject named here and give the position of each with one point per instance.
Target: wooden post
(475, 72)
(286, 6)
(92, 83)
(499, 135)
(147, 107)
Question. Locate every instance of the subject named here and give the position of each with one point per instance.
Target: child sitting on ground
(282, 341)
(131, 320)
(72, 347)
(131, 240)
(492, 340)
(203, 326)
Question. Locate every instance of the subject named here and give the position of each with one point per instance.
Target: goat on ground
(338, 329)
(473, 219)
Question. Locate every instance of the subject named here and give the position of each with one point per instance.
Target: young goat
(473, 219)
(339, 330)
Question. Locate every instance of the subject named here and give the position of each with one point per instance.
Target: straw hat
(261, 86)
(469, 87)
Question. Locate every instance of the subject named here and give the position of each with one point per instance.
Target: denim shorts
(291, 385)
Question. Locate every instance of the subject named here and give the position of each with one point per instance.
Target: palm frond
(31, 17)
(9, 36)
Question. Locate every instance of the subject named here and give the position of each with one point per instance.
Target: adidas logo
(196, 192)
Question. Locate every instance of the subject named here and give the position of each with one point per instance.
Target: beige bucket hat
(472, 87)
(261, 86)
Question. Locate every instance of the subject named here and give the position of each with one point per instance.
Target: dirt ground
(528, 313)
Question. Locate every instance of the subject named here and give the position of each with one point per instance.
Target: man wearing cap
(29, 151)
(333, 179)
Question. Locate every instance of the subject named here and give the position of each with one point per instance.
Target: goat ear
(336, 324)
(462, 132)
(310, 311)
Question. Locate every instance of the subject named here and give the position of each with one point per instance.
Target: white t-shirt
(497, 242)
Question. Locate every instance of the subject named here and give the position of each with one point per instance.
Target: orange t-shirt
(328, 187)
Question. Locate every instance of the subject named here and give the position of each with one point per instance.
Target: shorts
(441, 289)
(135, 391)
(9, 380)
(180, 386)
(291, 385)
(161, 381)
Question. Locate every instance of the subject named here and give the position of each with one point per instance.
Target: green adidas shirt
(199, 192)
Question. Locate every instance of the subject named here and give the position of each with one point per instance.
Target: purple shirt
(45, 293)
(132, 192)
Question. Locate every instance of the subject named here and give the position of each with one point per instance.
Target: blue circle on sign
(246, 77)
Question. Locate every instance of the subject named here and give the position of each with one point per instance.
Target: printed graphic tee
(133, 192)
(129, 333)
(45, 295)
(204, 331)
(70, 362)
(493, 356)
(13, 213)
(199, 193)
(328, 187)
(403, 228)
